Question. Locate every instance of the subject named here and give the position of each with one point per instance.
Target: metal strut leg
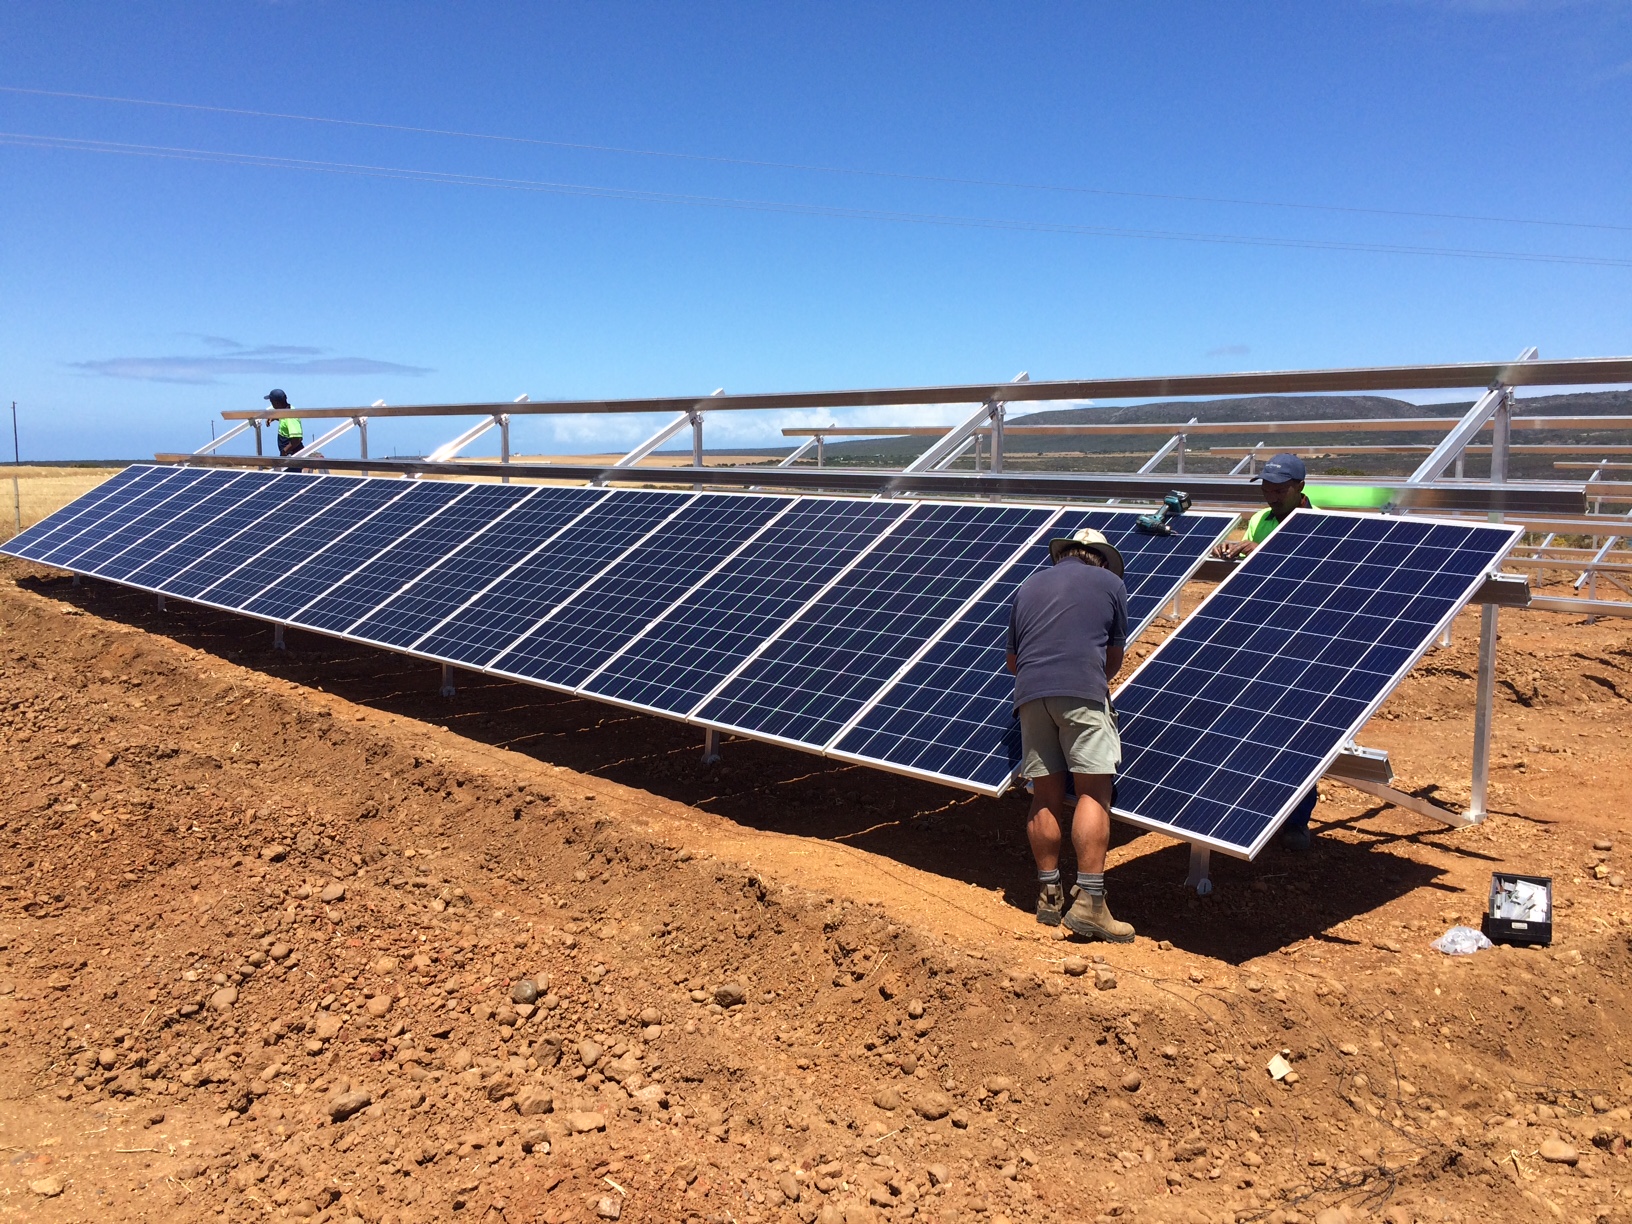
(1200, 860)
(277, 637)
(1484, 707)
(711, 746)
(160, 599)
(448, 689)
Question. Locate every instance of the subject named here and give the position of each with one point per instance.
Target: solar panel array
(870, 629)
(1239, 711)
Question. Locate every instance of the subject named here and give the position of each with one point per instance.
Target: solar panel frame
(1201, 531)
(181, 556)
(131, 516)
(1456, 597)
(207, 505)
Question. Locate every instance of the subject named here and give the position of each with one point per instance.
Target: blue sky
(160, 264)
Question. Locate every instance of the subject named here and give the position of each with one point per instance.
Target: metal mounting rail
(1343, 425)
(1479, 497)
(1569, 372)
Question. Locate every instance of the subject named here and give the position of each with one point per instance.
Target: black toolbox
(1536, 925)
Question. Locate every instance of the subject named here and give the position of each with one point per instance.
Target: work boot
(1090, 917)
(1297, 839)
(1050, 904)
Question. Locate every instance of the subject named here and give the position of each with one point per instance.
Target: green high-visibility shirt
(1328, 497)
(289, 427)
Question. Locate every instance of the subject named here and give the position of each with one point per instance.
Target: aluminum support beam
(1529, 499)
(1498, 399)
(799, 452)
(1571, 372)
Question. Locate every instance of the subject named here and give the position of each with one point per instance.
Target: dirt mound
(271, 950)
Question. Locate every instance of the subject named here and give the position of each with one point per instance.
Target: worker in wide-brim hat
(1067, 630)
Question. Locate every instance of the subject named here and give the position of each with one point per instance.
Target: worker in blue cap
(1282, 484)
(290, 436)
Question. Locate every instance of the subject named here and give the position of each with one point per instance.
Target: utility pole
(16, 463)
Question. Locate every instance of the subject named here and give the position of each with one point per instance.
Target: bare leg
(1043, 828)
(1091, 824)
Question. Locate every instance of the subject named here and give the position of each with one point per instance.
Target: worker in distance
(1282, 483)
(290, 436)
(1068, 626)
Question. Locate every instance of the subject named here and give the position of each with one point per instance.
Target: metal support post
(821, 439)
(696, 439)
(1462, 466)
(504, 445)
(976, 441)
(711, 746)
(277, 638)
(996, 465)
(1201, 859)
(800, 451)
(1484, 707)
(77, 581)
(448, 689)
(362, 439)
(258, 450)
(1179, 453)
(159, 599)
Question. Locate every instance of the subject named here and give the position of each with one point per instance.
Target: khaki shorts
(1060, 734)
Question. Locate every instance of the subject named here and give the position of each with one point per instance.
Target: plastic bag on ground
(1461, 941)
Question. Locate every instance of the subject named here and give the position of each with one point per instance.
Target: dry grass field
(32, 492)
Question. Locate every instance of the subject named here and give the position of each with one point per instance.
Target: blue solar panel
(259, 524)
(950, 716)
(483, 628)
(360, 498)
(1231, 720)
(808, 682)
(583, 632)
(35, 542)
(408, 556)
(206, 500)
(466, 571)
(257, 494)
(126, 520)
(682, 658)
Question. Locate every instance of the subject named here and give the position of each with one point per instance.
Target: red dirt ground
(188, 1022)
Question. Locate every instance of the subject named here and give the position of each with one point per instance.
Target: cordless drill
(1161, 522)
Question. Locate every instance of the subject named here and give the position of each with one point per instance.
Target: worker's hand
(1233, 550)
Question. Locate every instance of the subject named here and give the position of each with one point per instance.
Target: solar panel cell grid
(684, 656)
(600, 618)
(484, 628)
(207, 501)
(1236, 715)
(813, 678)
(258, 494)
(407, 556)
(124, 523)
(254, 528)
(401, 621)
(301, 540)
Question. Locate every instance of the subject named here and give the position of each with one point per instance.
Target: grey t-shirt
(1062, 620)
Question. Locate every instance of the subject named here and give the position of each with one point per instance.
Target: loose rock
(1075, 966)
(583, 1123)
(730, 995)
(348, 1103)
(933, 1106)
(887, 1098)
(223, 999)
(47, 1187)
(1557, 1151)
(524, 991)
(1131, 1081)
(333, 892)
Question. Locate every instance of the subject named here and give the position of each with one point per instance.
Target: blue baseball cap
(1283, 468)
(276, 396)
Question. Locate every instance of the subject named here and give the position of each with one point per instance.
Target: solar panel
(253, 528)
(468, 570)
(359, 498)
(409, 555)
(510, 606)
(126, 521)
(180, 518)
(259, 494)
(34, 542)
(583, 631)
(810, 679)
(949, 716)
(683, 656)
(1231, 720)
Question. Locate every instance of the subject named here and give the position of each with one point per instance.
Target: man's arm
(1230, 550)
(1113, 661)
(1012, 662)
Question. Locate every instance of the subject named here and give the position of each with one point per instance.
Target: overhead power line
(453, 178)
(950, 180)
